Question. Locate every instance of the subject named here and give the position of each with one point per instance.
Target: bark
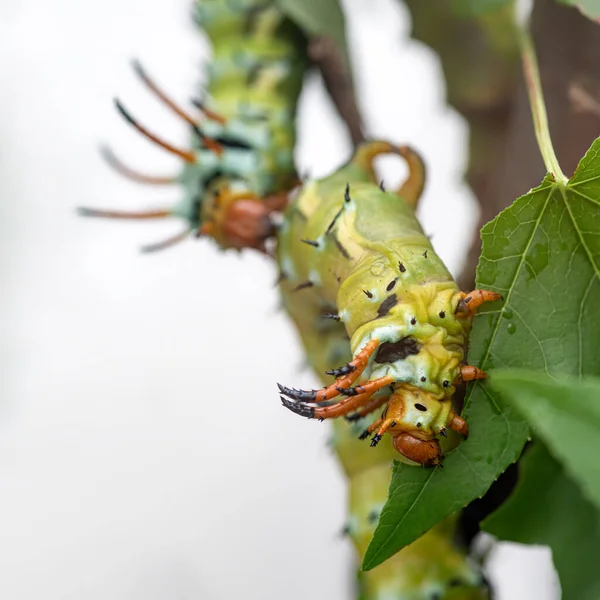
(568, 49)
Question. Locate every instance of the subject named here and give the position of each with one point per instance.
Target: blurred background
(144, 453)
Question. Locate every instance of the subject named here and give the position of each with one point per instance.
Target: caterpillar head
(240, 219)
(425, 452)
(416, 418)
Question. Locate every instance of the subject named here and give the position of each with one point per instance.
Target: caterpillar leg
(372, 405)
(383, 427)
(468, 303)
(458, 424)
(339, 409)
(470, 373)
(370, 429)
(311, 412)
(346, 376)
(366, 388)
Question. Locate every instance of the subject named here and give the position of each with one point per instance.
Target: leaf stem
(538, 107)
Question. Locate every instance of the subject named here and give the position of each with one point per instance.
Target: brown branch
(337, 77)
(568, 49)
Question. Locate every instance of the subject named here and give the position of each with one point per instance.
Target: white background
(144, 453)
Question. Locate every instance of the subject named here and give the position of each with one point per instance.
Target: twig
(538, 107)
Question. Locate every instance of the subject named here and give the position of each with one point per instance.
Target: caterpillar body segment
(239, 164)
(406, 321)
(431, 567)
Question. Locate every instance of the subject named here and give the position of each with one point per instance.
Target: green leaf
(548, 508)
(318, 18)
(543, 254)
(565, 415)
(589, 8)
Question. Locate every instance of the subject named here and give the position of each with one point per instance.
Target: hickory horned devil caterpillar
(347, 242)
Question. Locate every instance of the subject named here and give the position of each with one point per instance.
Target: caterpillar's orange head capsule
(426, 452)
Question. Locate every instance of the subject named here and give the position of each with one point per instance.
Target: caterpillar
(352, 252)
(330, 239)
(364, 286)
(240, 165)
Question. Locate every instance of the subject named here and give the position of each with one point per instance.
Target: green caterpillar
(349, 247)
(240, 164)
(235, 179)
(357, 274)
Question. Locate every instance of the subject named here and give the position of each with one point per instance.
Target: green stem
(538, 107)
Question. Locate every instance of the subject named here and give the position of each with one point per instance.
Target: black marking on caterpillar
(231, 142)
(347, 193)
(332, 224)
(401, 267)
(420, 407)
(368, 294)
(312, 243)
(373, 517)
(304, 285)
(333, 316)
(390, 352)
(387, 305)
(347, 368)
(341, 248)
(351, 391)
